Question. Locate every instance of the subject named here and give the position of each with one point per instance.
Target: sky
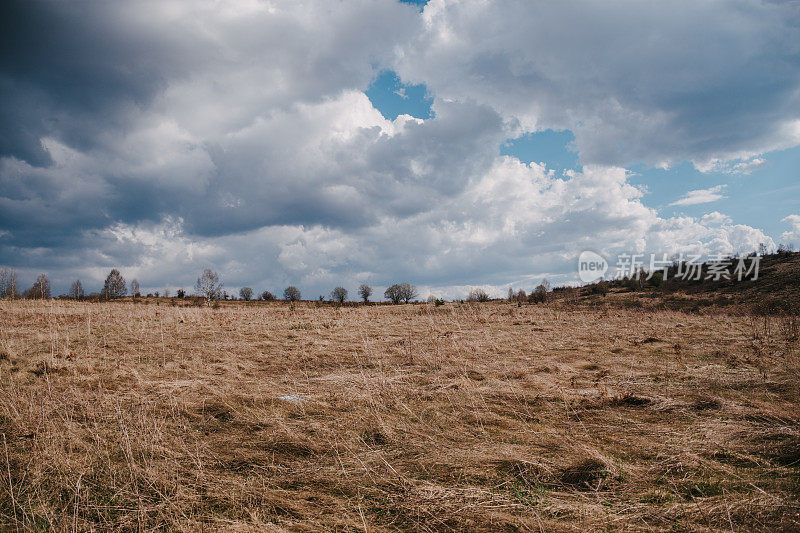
(451, 144)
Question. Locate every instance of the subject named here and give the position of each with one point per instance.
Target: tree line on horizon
(208, 286)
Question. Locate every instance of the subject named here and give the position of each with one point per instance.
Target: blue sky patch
(420, 3)
(760, 199)
(392, 97)
(554, 148)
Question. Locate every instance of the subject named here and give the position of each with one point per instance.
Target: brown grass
(493, 417)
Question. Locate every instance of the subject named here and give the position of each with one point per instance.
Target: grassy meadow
(466, 417)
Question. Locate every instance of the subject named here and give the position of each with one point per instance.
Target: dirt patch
(630, 400)
(585, 474)
(375, 438)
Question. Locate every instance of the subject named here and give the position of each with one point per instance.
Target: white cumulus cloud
(702, 196)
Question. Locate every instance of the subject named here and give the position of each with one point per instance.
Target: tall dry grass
(121, 416)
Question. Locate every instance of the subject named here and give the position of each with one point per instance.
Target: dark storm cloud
(96, 80)
(168, 136)
(72, 70)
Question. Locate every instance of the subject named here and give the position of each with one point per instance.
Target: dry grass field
(494, 417)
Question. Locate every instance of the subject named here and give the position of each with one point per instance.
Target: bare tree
(208, 285)
(135, 289)
(477, 295)
(8, 283)
(115, 286)
(365, 291)
(407, 292)
(291, 293)
(339, 294)
(394, 294)
(76, 291)
(41, 288)
(246, 293)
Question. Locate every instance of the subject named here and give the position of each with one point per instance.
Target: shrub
(267, 296)
(291, 293)
(601, 288)
(634, 283)
(477, 295)
(656, 279)
(540, 293)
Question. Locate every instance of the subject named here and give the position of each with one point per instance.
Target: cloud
(636, 82)
(512, 224)
(715, 217)
(81, 73)
(172, 137)
(702, 196)
(792, 236)
(733, 167)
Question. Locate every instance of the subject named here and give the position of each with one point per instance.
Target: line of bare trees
(208, 286)
(113, 287)
(9, 286)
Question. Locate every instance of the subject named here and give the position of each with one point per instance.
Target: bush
(291, 293)
(634, 283)
(477, 295)
(267, 296)
(601, 288)
(656, 279)
(540, 293)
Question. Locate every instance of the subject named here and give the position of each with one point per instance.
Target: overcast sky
(452, 144)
